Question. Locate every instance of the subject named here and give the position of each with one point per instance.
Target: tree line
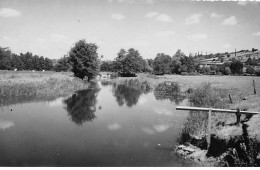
(84, 61)
(27, 61)
(179, 63)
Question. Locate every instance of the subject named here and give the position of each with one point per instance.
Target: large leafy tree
(106, 66)
(161, 64)
(129, 63)
(236, 66)
(189, 63)
(84, 60)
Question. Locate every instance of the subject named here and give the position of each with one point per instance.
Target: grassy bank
(233, 145)
(20, 87)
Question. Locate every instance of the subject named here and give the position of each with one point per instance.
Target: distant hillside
(242, 55)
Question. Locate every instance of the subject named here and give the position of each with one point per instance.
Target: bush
(205, 96)
(250, 70)
(168, 88)
(257, 73)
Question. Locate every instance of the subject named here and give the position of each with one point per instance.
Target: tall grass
(14, 91)
(206, 96)
(197, 122)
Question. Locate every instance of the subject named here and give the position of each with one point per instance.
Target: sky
(50, 28)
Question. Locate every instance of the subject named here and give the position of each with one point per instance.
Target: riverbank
(224, 129)
(26, 86)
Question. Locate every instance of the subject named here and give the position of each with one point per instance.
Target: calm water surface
(105, 125)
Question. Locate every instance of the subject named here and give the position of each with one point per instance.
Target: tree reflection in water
(106, 82)
(169, 90)
(81, 106)
(126, 94)
(176, 98)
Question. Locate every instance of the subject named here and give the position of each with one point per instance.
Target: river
(103, 126)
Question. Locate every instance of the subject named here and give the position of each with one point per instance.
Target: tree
(106, 66)
(162, 64)
(179, 54)
(150, 62)
(5, 59)
(250, 70)
(83, 58)
(205, 70)
(254, 62)
(48, 64)
(17, 62)
(41, 63)
(236, 66)
(227, 71)
(189, 62)
(147, 67)
(129, 63)
(175, 66)
(62, 64)
(184, 68)
(249, 61)
(27, 59)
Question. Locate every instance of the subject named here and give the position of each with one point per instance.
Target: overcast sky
(49, 28)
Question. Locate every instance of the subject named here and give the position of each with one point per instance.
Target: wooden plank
(213, 110)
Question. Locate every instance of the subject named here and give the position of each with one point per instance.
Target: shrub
(250, 70)
(257, 73)
(205, 96)
(168, 88)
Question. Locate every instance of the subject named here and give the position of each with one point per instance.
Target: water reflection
(5, 124)
(82, 105)
(114, 126)
(106, 82)
(13, 100)
(125, 94)
(176, 98)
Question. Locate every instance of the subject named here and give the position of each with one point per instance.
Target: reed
(48, 86)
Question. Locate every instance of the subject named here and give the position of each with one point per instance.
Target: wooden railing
(210, 110)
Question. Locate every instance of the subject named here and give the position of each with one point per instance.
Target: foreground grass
(17, 87)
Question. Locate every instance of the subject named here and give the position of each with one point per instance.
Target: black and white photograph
(129, 83)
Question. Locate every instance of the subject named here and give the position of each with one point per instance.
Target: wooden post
(254, 86)
(209, 128)
(230, 98)
(238, 114)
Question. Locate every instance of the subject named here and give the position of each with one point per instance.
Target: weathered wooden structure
(210, 110)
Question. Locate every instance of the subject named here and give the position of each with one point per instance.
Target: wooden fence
(210, 110)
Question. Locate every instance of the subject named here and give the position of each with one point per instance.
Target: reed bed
(48, 85)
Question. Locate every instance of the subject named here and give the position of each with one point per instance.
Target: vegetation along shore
(28, 86)
(226, 92)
